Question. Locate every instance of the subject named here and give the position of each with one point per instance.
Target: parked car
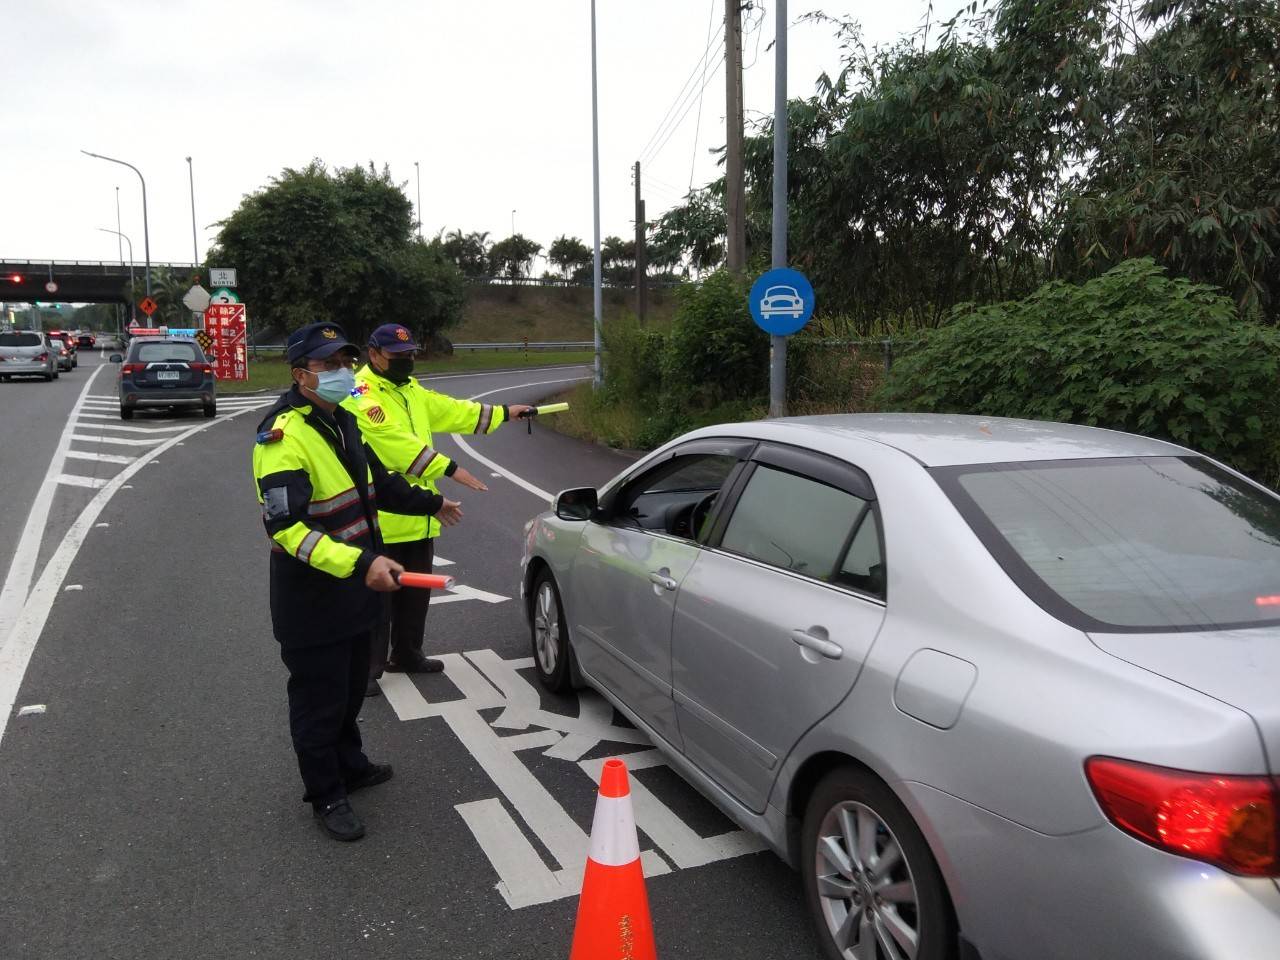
(72, 358)
(27, 353)
(86, 339)
(165, 372)
(997, 689)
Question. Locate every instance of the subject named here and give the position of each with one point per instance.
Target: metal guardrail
(514, 346)
(138, 264)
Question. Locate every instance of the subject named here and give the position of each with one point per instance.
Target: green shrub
(715, 353)
(633, 361)
(1132, 350)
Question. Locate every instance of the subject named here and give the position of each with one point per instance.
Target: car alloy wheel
(551, 653)
(872, 885)
(866, 890)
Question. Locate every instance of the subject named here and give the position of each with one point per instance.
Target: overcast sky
(491, 97)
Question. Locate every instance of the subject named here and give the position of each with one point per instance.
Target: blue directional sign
(781, 301)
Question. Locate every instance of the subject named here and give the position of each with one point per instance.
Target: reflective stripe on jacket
(319, 486)
(397, 422)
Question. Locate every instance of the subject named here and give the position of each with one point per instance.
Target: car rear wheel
(872, 886)
(50, 377)
(126, 413)
(550, 639)
(210, 410)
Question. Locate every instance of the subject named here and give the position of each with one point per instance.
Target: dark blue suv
(165, 372)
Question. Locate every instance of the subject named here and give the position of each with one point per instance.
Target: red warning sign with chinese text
(225, 324)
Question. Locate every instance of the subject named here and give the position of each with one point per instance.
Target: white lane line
(100, 457)
(538, 492)
(463, 592)
(116, 440)
(17, 583)
(500, 373)
(33, 709)
(72, 586)
(117, 425)
(75, 480)
(19, 642)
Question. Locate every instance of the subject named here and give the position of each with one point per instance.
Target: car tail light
(43, 358)
(129, 369)
(200, 366)
(1229, 821)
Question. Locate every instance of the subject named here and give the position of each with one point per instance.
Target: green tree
(513, 257)
(694, 231)
(569, 254)
(167, 290)
(338, 245)
(469, 251)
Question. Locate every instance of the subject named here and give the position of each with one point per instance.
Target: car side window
(676, 496)
(794, 522)
(863, 564)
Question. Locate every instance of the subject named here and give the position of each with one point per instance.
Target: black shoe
(372, 689)
(340, 821)
(374, 774)
(418, 664)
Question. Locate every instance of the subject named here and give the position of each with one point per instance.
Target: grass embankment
(547, 314)
(273, 373)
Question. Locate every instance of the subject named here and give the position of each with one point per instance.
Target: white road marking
(441, 562)
(524, 878)
(75, 480)
(100, 526)
(500, 470)
(119, 441)
(18, 642)
(17, 582)
(72, 586)
(463, 592)
(101, 457)
(125, 428)
(32, 710)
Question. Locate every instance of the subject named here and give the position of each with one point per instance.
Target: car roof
(939, 440)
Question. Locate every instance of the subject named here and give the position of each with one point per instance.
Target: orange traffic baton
(425, 581)
(613, 911)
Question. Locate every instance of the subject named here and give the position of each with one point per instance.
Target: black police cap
(316, 341)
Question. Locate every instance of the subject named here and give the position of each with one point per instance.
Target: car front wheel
(550, 639)
(873, 888)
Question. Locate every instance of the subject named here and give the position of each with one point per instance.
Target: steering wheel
(700, 513)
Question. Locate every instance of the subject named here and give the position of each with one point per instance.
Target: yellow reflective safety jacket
(319, 487)
(397, 421)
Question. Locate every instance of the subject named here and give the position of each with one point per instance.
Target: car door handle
(828, 648)
(662, 580)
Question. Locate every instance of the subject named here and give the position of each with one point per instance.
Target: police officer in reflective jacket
(398, 417)
(320, 488)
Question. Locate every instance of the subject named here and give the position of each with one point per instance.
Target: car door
(628, 571)
(776, 616)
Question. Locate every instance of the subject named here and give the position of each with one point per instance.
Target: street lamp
(596, 298)
(417, 172)
(133, 311)
(146, 232)
(513, 223)
(195, 244)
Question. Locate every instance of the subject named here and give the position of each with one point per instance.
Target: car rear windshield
(19, 339)
(167, 352)
(1143, 544)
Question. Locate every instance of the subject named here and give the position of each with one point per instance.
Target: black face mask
(399, 369)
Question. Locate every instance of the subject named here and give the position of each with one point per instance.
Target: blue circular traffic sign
(781, 301)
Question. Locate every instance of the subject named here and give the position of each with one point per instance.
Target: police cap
(316, 341)
(393, 338)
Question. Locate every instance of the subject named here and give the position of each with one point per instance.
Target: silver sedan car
(997, 689)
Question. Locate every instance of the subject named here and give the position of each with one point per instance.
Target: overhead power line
(691, 88)
(687, 107)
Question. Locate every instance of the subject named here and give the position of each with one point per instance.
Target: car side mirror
(579, 504)
(116, 358)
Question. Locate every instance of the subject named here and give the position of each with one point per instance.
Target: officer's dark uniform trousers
(325, 621)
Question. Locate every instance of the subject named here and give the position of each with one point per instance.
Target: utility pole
(735, 200)
(642, 293)
(195, 244)
(417, 172)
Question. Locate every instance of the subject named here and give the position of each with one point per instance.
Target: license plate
(166, 374)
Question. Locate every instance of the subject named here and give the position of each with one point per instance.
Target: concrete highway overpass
(78, 281)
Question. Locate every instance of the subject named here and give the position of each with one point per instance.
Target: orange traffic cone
(613, 911)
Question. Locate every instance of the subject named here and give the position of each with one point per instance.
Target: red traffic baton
(425, 581)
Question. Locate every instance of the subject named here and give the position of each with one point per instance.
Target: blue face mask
(334, 386)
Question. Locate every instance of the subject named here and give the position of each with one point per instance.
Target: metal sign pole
(778, 345)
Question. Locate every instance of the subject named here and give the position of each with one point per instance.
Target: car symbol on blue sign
(782, 301)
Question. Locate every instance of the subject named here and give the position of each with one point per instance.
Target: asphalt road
(152, 810)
